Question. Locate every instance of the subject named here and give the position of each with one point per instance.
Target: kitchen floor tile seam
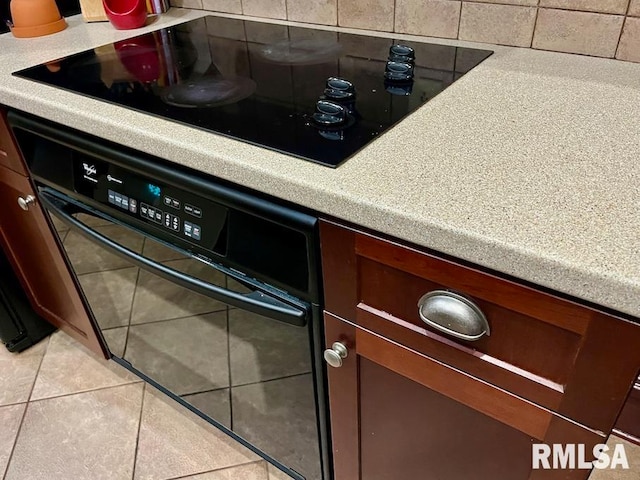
(15, 440)
(107, 270)
(172, 319)
(35, 377)
(135, 289)
(62, 235)
(459, 20)
(243, 464)
(539, 7)
(204, 391)
(270, 380)
(535, 25)
(28, 402)
(13, 404)
(89, 390)
(135, 452)
(229, 367)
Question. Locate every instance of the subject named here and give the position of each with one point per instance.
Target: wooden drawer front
(9, 156)
(548, 350)
(529, 345)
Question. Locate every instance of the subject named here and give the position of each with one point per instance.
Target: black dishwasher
(205, 289)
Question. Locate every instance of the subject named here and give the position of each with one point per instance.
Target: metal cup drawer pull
(453, 314)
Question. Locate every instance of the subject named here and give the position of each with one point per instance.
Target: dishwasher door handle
(256, 301)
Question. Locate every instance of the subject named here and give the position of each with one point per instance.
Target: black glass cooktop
(314, 94)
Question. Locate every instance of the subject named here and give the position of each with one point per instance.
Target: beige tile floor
(65, 414)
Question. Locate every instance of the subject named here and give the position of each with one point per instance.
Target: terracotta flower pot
(34, 18)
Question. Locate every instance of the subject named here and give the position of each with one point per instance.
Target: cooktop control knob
(329, 114)
(398, 72)
(339, 90)
(402, 54)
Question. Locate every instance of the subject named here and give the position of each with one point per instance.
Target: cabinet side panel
(337, 244)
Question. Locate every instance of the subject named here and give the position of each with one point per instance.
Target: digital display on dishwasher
(177, 213)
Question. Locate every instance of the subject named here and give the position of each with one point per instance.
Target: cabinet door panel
(38, 261)
(396, 413)
(406, 426)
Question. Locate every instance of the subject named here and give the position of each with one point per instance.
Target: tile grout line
(133, 299)
(135, 452)
(35, 379)
(81, 392)
(535, 24)
(564, 9)
(229, 370)
(459, 20)
(624, 24)
(248, 384)
(395, 16)
(24, 413)
(108, 270)
(170, 319)
(15, 441)
(222, 469)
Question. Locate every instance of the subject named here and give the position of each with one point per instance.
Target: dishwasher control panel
(176, 211)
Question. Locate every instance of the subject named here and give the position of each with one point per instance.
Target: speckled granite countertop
(529, 164)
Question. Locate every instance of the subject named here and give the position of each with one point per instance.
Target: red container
(126, 14)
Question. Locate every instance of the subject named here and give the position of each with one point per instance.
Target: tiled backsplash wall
(603, 28)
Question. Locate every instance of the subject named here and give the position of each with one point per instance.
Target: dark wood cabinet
(411, 399)
(397, 413)
(27, 239)
(628, 424)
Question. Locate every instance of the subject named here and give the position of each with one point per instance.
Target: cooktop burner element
(314, 94)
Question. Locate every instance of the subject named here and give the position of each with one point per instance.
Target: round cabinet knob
(25, 202)
(334, 355)
(453, 314)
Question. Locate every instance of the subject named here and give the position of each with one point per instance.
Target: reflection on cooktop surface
(314, 94)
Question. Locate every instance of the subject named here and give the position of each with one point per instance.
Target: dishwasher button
(192, 230)
(191, 210)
